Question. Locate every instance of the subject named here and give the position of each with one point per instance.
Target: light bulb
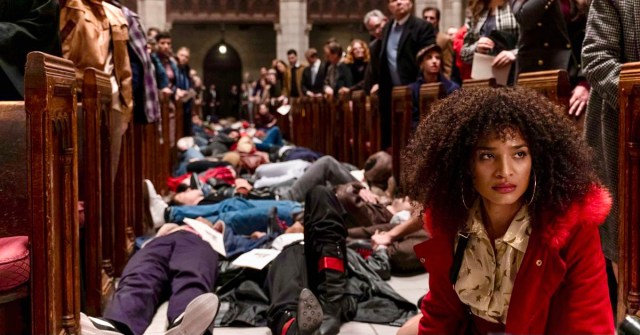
(222, 49)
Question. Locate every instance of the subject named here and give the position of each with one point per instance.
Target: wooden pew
(96, 190)
(39, 196)
(401, 108)
(359, 105)
(429, 94)
(343, 132)
(373, 125)
(470, 83)
(553, 84)
(629, 191)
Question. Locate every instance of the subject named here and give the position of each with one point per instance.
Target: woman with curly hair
(357, 59)
(512, 204)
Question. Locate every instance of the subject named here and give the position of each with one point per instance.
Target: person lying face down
(508, 187)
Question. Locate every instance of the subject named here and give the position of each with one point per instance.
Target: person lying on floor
(242, 216)
(347, 288)
(328, 171)
(178, 265)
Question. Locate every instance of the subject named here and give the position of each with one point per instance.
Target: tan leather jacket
(87, 28)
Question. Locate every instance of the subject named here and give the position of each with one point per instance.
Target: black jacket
(26, 25)
(416, 35)
(318, 85)
(547, 41)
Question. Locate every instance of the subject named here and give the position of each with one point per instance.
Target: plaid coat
(612, 38)
(505, 22)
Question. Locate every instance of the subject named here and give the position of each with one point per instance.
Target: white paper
(284, 110)
(285, 239)
(208, 234)
(482, 69)
(256, 258)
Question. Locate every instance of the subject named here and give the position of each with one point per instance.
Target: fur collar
(591, 210)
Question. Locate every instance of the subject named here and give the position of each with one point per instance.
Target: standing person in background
(313, 75)
(357, 60)
(146, 101)
(375, 22)
(432, 15)
(402, 39)
(211, 103)
(184, 84)
(611, 40)
(551, 38)
(294, 74)
(493, 30)
(95, 34)
(26, 26)
(338, 74)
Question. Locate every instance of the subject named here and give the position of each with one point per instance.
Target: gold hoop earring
(533, 194)
(464, 203)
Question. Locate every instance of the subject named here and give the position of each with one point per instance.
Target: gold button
(421, 259)
(546, 45)
(539, 24)
(539, 262)
(568, 45)
(540, 62)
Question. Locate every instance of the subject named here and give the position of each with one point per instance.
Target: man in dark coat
(375, 22)
(313, 75)
(402, 39)
(25, 26)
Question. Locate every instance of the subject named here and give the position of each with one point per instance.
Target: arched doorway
(223, 68)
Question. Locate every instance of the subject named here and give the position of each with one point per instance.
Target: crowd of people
(504, 199)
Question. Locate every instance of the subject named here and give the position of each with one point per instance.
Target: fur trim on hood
(591, 210)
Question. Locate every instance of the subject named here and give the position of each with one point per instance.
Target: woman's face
(357, 50)
(281, 67)
(501, 169)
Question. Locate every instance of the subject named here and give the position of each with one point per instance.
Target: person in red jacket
(512, 204)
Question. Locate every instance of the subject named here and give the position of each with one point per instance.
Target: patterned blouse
(485, 280)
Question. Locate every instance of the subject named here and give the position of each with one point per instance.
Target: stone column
(419, 5)
(453, 15)
(292, 32)
(153, 13)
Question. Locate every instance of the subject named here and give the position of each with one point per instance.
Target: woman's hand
(579, 100)
(484, 45)
(504, 58)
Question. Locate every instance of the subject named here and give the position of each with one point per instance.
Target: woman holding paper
(493, 31)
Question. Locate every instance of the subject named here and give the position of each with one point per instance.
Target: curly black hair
(437, 161)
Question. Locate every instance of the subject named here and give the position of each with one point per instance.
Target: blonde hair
(349, 59)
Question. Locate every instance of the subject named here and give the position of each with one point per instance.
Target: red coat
(560, 288)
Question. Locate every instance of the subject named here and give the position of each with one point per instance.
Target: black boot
(336, 305)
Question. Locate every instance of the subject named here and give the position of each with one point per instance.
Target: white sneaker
(95, 326)
(198, 317)
(157, 206)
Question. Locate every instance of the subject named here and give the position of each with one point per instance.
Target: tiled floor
(411, 288)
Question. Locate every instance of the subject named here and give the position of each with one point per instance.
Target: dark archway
(223, 70)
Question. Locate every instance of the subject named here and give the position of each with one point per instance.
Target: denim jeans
(241, 215)
(271, 139)
(187, 155)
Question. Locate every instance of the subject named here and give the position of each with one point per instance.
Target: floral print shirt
(486, 276)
